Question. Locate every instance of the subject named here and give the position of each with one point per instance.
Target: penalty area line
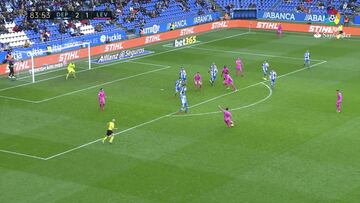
(94, 86)
(98, 140)
(22, 154)
(18, 99)
(169, 115)
(102, 84)
(254, 54)
(234, 109)
(145, 123)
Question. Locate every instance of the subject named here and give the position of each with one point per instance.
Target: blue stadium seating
(173, 12)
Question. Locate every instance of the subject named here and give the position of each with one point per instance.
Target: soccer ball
(232, 124)
(332, 18)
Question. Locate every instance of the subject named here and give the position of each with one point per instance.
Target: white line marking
(234, 109)
(150, 64)
(49, 71)
(102, 84)
(301, 69)
(18, 99)
(253, 54)
(124, 61)
(171, 45)
(98, 140)
(168, 115)
(22, 154)
(309, 35)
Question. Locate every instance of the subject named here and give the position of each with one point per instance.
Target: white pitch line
(124, 61)
(22, 154)
(309, 35)
(171, 45)
(100, 85)
(18, 99)
(234, 109)
(253, 54)
(49, 71)
(98, 140)
(301, 69)
(169, 115)
(150, 64)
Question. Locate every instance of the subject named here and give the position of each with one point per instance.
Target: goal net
(46, 65)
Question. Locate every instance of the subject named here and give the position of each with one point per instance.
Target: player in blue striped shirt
(272, 77)
(177, 86)
(307, 59)
(182, 75)
(213, 73)
(265, 67)
(183, 100)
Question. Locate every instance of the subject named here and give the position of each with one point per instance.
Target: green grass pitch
(289, 144)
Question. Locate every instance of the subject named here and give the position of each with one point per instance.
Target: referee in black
(11, 68)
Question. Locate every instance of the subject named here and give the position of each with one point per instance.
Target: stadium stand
(317, 6)
(228, 5)
(17, 31)
(305, 6)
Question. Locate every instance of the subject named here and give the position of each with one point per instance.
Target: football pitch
(288, 145)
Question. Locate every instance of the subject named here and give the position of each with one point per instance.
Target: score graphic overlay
(69, 15)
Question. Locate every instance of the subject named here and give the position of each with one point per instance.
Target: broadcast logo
(333, 17)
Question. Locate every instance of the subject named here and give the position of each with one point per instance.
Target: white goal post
(40, 63)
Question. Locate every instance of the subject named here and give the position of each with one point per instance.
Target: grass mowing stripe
(102, 84)
(91, 87)
(254, 54)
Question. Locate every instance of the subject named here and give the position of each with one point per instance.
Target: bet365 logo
(333, 17)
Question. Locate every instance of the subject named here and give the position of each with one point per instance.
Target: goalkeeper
(71, 70)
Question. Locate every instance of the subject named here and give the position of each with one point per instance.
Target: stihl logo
(69, 56)
(114, 47)
(267, 25)
(323, 29)
(217, 25)
(186, 31)
(19, 66)
(151, 39)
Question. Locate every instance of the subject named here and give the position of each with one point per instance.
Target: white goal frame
(81, 45)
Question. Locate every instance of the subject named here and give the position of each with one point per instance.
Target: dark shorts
(109, 132)
(341, 32)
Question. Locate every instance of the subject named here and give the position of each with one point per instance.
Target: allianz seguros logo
(333, 17)
(317, 35)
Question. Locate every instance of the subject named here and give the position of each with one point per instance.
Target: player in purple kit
(339, 100)
(228, 81)
(197, 80)
(101, 96)
(227, 117)
(279, 30)
(239, 67)
(225, 71)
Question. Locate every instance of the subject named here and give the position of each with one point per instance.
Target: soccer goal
(44, 65)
